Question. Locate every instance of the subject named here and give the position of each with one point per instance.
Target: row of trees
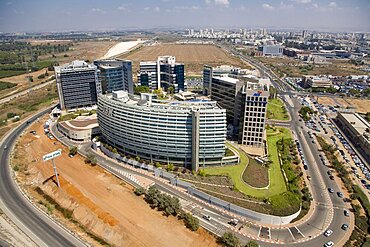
(230, 240)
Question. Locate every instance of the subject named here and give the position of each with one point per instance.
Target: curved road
(34, 223)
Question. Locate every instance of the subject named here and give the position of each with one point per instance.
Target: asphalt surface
(32, 221)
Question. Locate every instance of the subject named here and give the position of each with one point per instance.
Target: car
(346, 213)
(340, 194)
(308, 177)
(363, 181)
(331, 177)
(329, 172)
(328, 232)
(233, 222)
(207, 217)
(71, 155)
(305, 167)
(329, 244)
(5, 147)
(330, 190)
(344, 227)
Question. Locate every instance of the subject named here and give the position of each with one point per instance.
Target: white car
(328, 232)
(329, 244)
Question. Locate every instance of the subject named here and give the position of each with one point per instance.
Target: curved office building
(189, 133)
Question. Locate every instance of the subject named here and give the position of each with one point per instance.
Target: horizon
(30, 17)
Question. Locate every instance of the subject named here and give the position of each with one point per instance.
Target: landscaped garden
(276, 110)
(250, 178)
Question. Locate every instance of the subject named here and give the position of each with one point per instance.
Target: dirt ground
(361, 105)
(193, 56)
(296, 68)
(326, 101)
(102, 197)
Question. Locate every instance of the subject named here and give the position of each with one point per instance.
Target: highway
(40, 228)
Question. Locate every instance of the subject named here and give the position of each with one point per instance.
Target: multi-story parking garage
(189, 133)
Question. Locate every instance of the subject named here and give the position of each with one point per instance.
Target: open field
(296, 68)
(25, 106)
(193, 56)
(276, 110)
(361, 105)
(88, 51)
(103, 204)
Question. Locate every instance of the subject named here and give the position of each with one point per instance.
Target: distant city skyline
(93, 15)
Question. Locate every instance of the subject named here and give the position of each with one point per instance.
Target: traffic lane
(21, 208)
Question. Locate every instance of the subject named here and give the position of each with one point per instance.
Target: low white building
(81, 129)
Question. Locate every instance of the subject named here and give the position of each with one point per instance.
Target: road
(24, 92)
(328, 206)
(43, 230)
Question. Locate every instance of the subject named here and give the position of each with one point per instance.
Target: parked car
(328, 232)
(340, 194)
(329, 244)
(346, 213)
(345, 227)
(330, 190)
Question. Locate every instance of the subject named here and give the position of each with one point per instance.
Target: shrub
(139, 191)
(73, 150)
(252, 243)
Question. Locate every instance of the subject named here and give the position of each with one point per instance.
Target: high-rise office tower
(246, 105)
(78, 84)
(163, 73)
(115, 75)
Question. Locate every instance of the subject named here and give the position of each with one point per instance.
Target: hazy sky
(65, 15)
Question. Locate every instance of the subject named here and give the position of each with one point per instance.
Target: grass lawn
(276, 110)
(277, 183)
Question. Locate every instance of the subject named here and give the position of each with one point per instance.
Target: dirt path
(106, 197)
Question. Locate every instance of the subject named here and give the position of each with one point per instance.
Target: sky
(105, 15)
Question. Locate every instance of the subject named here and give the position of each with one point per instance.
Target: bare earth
(193, 56)
(326, 101)
(101, 202)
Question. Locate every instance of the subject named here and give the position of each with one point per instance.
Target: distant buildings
(187, 133)
(78, 84)
(245, 102)
(115, 75)
(316, 82)
(272, 50)
(163, 73)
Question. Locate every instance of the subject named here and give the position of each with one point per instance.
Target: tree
(158, 165)
(90, 159)
(190, 221)
(141, 89)
(252, 243)
(73, 150)
(230, 240)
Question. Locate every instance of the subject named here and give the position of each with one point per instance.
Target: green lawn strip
(277, 183)
(276, 110)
